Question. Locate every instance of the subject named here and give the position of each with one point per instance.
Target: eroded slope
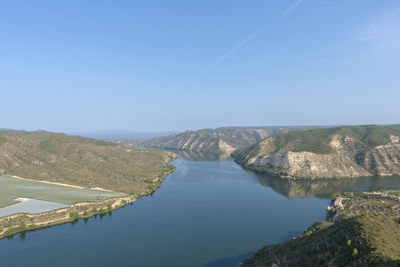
(350, 151)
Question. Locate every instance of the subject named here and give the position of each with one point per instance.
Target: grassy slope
(80, 161)
(365, 240)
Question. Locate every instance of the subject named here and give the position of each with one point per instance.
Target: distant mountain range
(115, 135)
(220, 140)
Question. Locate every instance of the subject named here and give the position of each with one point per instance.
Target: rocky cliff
(349, 151)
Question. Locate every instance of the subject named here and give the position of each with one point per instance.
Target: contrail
(291, 8)
(286, 12)
(233, 50)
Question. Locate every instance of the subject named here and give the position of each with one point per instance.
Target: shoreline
(264, 171)
(23, 222)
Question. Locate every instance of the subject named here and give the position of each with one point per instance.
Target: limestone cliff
(338, 152)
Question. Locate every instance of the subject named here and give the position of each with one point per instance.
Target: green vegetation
(364, 240)
(356, 203)
(355, 252)
(74, 214)
(2, 139)
(80, 161)
(22, 222)
(317, 140)
(362, 229)
(22, 225)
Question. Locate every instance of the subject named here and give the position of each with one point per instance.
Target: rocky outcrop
(348, 157)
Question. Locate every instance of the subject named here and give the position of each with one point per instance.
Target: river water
(207, 213)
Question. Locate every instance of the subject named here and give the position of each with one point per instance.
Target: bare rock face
(347, 157)
(306, 164)
(384, 160)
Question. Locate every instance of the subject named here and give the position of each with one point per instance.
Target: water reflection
(329, 187)
(202, 156)
(195, 155)
(325, 188)
(22, 236)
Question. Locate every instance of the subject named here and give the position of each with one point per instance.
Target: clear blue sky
(174, 65)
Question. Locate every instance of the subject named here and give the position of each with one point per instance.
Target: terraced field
(13, 188)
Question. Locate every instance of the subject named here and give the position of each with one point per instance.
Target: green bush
(355, 252)
(22, 225)
(74, 214)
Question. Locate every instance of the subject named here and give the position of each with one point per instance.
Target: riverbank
(227, 223)
(17, 223)
(361, 228)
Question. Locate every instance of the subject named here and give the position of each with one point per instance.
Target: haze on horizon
(76, 66)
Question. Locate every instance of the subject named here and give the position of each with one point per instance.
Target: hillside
(220, 140)
(363, 240)
(347, 151)
(81, 161)
(351, 204)
(362, 229)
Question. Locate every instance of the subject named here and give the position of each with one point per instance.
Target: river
(207, 213)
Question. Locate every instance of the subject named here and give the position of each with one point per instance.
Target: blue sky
(174, 65)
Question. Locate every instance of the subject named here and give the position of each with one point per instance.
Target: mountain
(220, 140)
(363, 240)
(118, 135)
(81, 161)
(338, 152)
